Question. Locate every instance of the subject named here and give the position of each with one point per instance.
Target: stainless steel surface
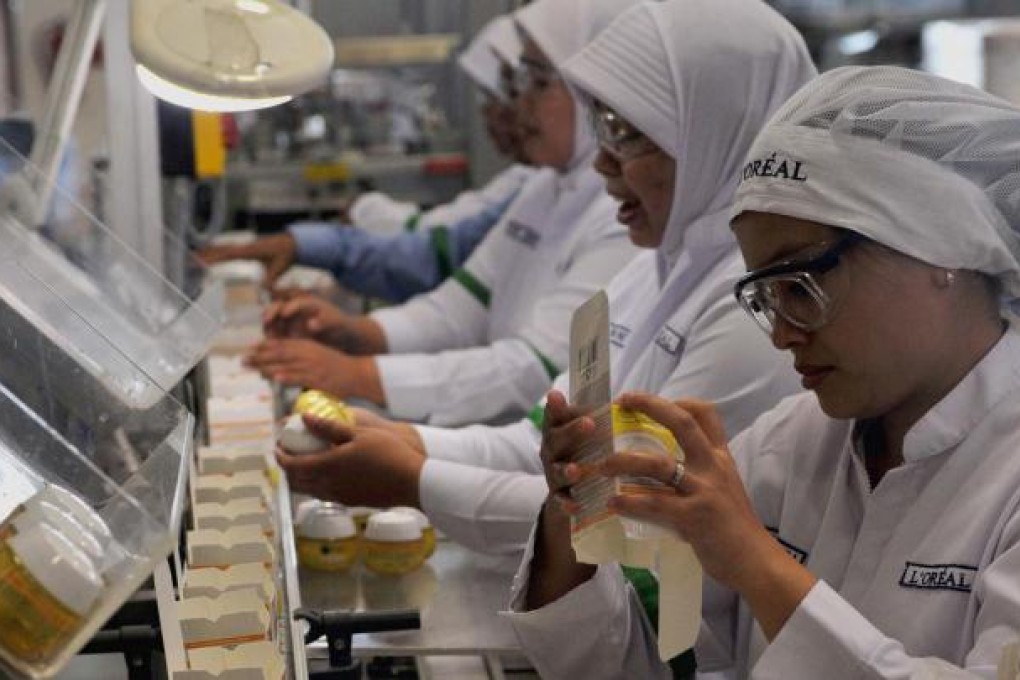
(292, 632)
(458, 592)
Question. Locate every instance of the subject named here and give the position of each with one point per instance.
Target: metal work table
(458, 592)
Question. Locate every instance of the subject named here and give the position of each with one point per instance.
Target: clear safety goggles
(617, 136)
(805, 293)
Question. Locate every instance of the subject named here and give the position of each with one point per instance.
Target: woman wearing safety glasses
(871, 527)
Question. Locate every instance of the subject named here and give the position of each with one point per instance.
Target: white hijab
(561, 28)
(479, 60)
(506, 41)
(701, 90)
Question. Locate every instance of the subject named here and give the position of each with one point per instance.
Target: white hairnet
(701, 90)
(479, 60)
(560, 28)
(921, 164)
(506, 41)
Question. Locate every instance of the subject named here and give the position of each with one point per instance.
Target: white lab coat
(378, 213)
(488, 342)
(919, 578)
(483, 486)
(676, 328)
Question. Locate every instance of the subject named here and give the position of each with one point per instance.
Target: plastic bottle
(636, 431)
(392, 543)
(327, 539)
(47, 589)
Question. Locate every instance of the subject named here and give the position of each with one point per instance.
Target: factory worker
(396, 266)
(673, 317)
(496, 43)
(870, 527)
(488, 342)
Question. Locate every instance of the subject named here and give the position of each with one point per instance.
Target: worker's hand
(364, 466)
(312, 365)
(554, 569)
(276, 253)
(305, 316)
(405, 431)
(709, 507)
(284, 293)
(565, 429)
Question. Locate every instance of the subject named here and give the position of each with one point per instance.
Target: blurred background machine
(846, 32)
(396, 116)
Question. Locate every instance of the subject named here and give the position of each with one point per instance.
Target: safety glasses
(617, 136)
(806, 293)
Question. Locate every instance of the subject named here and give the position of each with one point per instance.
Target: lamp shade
(227, 55)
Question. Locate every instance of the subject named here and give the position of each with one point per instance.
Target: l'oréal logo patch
(522, 233)
(618, 334)
(670, 341)
(776, 166)
(938, 576)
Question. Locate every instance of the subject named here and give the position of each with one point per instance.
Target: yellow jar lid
(323, 405)
(626, 421)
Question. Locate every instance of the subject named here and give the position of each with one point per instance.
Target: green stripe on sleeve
(439, 238)
(412, 222)
(477, 289)
(550, 368)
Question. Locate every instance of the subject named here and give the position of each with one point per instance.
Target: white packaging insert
(215, 582)
(245, 385)
(237, 545)
(226, 488)
(598, 535)
(252, 661)
(223, 367)
(233, 340)
(233, 618)
(231, 459)
(261, 432)
(240, 512)
(244, 410)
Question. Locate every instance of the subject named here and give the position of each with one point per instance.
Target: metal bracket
(339, 628)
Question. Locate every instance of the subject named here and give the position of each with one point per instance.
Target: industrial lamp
(227, 55)
(215, 55)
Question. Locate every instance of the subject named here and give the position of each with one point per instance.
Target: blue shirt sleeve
(392, 268)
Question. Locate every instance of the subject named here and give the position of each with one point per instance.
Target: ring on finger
(678, 475)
